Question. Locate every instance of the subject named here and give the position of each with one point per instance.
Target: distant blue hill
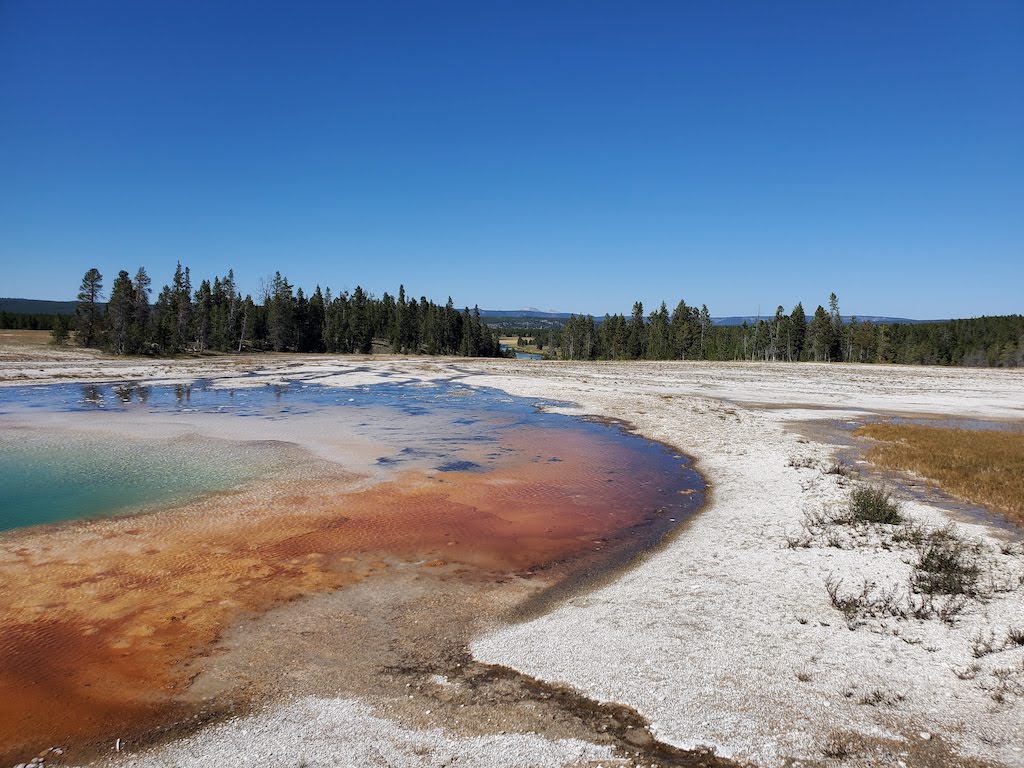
(43, 307)
(525, 313)
(877, 319)
(37, 307)
(555, 317)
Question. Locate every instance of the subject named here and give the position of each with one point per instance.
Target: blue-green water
(43, 480)
(524, 355)
(48, 476)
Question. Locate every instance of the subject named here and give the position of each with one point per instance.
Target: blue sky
(573, 155)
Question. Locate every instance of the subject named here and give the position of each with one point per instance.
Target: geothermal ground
(723, 638)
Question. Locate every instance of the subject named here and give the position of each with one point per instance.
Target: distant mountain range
(519, 318)
(520, 314)
(530, 312)
(37, 307)
(876, 319)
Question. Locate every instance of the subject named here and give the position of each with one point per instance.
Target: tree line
(27, 321)
(216, 317)
(687, 333)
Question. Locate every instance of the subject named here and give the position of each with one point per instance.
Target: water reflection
(439, 426)
(96, 395)
(92, 395)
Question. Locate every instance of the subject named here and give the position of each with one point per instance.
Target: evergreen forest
(688, 333)
(215, 317)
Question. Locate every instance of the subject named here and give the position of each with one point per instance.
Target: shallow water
(65, 471)
(318, 487)
(46, 479)
(524, 355)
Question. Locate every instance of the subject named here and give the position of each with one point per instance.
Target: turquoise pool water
(46, 480)
(50, 474)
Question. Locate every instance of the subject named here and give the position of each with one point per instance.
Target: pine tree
(397, 332)
(705, 330)
(162, 323)
(203, 320)
(280, 311)
(681, 331)
(87, 313)
(452, 327)
(621, 338)
(140, 330)
(464, 340)
(362, 333)
(836, 329)
(433, 334)
(59, 331)
(315, 322)
(637, 332)
(579, 338)
(119, 314)
(658, 344)
(797, 333)
(233, 316)
(820, 332)
(247, 326)
(409, 323)
(777, 339)
(180, 308)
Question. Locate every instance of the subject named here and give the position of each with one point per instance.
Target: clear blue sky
(566, 155)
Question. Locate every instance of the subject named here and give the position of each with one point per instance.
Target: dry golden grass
(984, 467)
(24, 338)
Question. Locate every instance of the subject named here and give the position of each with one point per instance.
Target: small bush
(952, 607)
(802, 540)
(869, 602)
(1007, 683)
(910, 534)
(840, 746)
(969, 672)
(948, 565)
(872, 504)
(982, 644)
(878, 697)
(840, 468)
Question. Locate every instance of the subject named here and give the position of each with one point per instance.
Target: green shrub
(947, 565)
(872, 504)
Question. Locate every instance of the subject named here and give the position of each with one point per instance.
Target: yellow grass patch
(984, 467)
(24, 338)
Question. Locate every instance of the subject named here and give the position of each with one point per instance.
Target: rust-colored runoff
(100, 620)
